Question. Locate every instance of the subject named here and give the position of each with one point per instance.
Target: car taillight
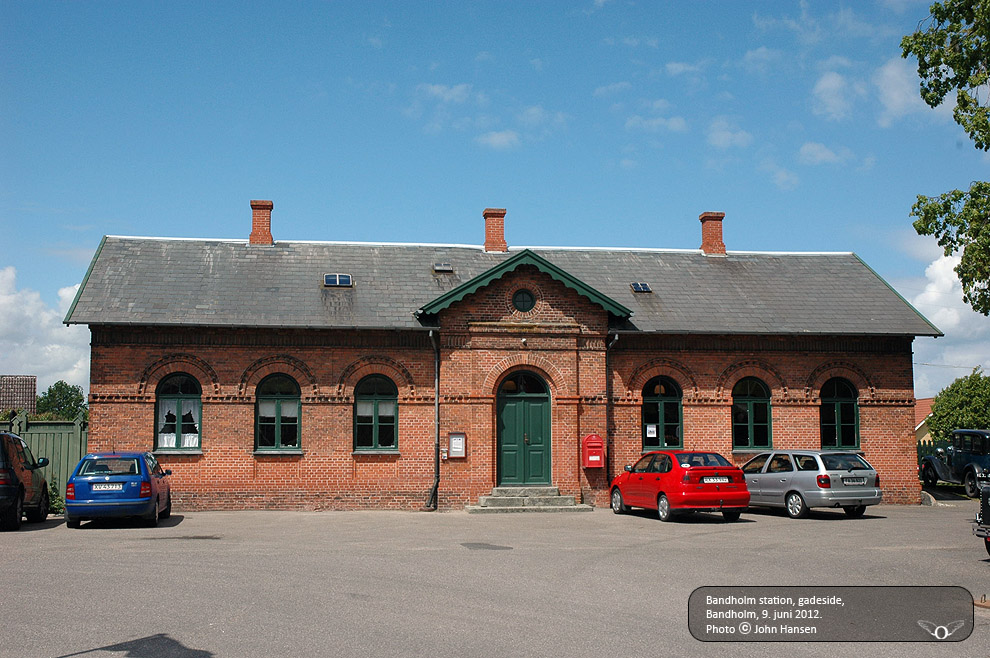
(6, 477)
(70, 491)
(145, 490)
(824, 482)
(877, 483)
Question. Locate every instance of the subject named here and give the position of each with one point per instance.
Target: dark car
(23, 488)
(798, 480)
(981, 526)
(117, 485)
(965, 459)
(677, 481)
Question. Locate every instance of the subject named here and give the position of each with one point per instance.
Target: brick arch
(751, 368)
(279, 363)
(375, 365)
(525, 361)
(663, 367)
(844, 369)
(173, 363)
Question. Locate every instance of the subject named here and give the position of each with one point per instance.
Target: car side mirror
(42, 463)
(628, 468)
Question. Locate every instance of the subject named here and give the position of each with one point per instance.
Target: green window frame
(751, 414)
(376, 415)
(839, 415)
(662, 414)
(277, 412)
(178, 413)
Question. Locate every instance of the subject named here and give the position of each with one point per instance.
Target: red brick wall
(482, 341)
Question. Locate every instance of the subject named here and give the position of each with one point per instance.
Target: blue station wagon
(116, 485)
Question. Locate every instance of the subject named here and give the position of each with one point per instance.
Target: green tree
(953, 51)
(965, 403)
(62, 401)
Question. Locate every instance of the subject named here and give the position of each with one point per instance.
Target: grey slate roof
(154, 281)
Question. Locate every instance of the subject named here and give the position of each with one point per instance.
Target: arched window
(376, 402)
(178, 413)
(277, 414)
(750, 414)
(662, 414)
(839, 415)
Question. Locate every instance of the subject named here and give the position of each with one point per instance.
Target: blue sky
(595, 123)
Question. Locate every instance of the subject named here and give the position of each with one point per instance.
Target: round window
(523, 300)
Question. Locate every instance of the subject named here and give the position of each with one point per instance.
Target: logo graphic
(941, 632)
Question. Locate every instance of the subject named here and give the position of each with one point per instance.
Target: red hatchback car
(673, 481)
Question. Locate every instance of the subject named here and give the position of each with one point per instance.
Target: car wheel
(969, 485)
(151, 520)
(731, 515)
(796, 507)
(663, 508)
(11, 517)
(855, 511)
(929, 476)
(72, 523)
(40, 514)
(167, 512)
(618, 506)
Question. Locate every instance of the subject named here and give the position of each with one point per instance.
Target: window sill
(751, 451)
(358, 453)
(177, 451)
(278, 453)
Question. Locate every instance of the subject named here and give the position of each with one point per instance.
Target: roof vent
(443, 268)
(640, 286)
(338, 280)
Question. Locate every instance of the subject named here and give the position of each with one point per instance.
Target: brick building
(18, 392)
(304, 374)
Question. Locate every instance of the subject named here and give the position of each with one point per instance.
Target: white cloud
(897, 87)
(654, 124)
(614, 88)
(446, 94)
(33, 340)
(966, 344)
(500, 141)
(782, 178)
(761, 59)
(815, 153)
(680, 68)
(724, 134)
(832, 96)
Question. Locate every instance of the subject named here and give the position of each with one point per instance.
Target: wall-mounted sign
(457, 445)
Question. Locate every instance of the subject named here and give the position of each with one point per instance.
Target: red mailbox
(593, 452)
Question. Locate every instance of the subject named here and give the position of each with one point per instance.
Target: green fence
(62, 441)
(930, 446)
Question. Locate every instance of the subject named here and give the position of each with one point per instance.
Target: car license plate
(853, 481)
(715, 479)
(108, 486)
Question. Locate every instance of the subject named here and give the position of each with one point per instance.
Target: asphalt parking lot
(250, 584)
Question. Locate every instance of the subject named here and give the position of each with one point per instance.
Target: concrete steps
(508, 500)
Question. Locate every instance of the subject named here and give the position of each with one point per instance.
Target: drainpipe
(608, 410)
(433, 502)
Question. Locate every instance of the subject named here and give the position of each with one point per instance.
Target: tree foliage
(965, 403)
(953, 50)
(62, 401)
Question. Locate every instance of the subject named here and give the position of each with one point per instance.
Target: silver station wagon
(798, 480)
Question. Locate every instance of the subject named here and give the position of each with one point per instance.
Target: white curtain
(166, 423)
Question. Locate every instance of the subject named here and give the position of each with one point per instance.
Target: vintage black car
(963, 461)
(981, 528)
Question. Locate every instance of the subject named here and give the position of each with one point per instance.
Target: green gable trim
(524, 257)
(75, 300)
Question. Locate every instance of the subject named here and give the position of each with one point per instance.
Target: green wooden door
(523, 431)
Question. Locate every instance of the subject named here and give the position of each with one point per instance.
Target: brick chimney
(495, 229)
(261, 223)
(711, 233)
